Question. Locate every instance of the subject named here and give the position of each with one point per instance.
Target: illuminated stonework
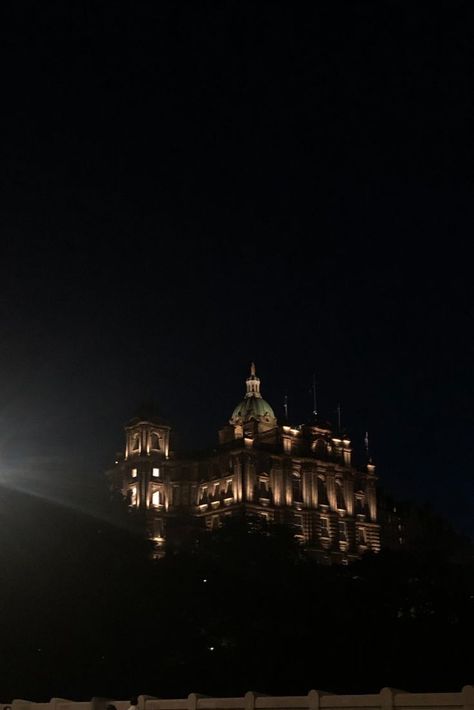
(300, 476)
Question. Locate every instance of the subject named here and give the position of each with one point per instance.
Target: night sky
(187, 187)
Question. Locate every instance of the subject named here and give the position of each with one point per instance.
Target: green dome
(253, 408)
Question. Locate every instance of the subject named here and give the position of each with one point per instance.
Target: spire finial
(252, 369)
(367, 451)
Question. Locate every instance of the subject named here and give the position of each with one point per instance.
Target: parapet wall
(387, 699)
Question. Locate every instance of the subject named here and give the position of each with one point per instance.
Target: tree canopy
(85, 611)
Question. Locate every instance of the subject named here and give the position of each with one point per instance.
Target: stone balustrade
(387, 699)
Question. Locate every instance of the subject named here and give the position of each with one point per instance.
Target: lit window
(133, 495)
(156, 498)
(203, 497)
(134, 472)
(156, 472)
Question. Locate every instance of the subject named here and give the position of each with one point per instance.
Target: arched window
(136, 442)
(155, 441)
(320, 449)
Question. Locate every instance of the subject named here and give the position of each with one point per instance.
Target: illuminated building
(299, 476)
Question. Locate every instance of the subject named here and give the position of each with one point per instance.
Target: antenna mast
(315, 405)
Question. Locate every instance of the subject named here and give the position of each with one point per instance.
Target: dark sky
(186, 187)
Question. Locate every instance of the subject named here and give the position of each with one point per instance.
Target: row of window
(216, 490)
(156, 498)
(136, 442)
(361, 534)
(155, 472)
(264, 488)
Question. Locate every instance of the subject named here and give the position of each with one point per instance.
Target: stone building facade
(298, 476)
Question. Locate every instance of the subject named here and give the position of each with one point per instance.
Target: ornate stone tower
(142, 470)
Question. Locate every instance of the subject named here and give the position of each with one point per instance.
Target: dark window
(322, 492)
(340, 496)
(343, 531)
(324, 522)
(360, 506)
(298, 524)
(296, 487)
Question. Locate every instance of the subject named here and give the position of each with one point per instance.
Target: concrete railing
(387, 699)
